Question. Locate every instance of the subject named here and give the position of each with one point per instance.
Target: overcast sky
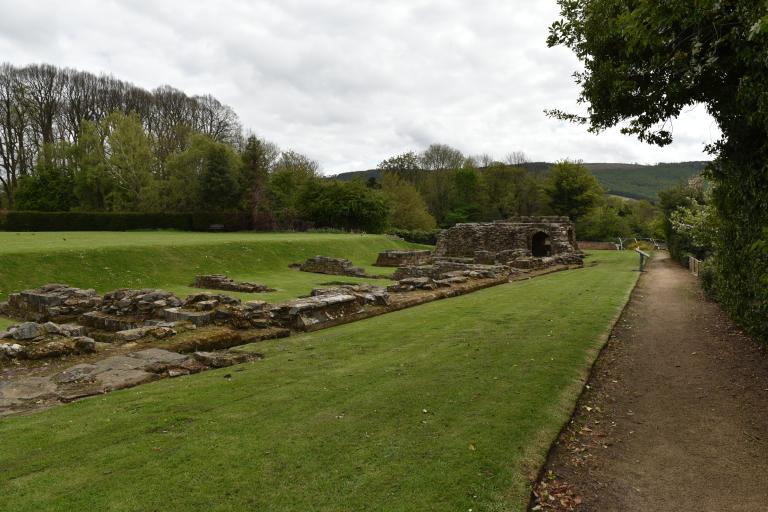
(348, 83)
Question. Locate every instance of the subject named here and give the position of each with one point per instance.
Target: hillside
(627, 180)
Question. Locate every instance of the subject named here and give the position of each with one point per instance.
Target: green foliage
(351, 206)
(114, 221)
(51, 185)
(408, 210)
(416, 236)
(644, 62)
(572, 190)
(601, 224)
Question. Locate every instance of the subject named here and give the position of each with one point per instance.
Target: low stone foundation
(222, 282)
(31, 340)
(331, 266)
(398, 258)
(51, 302)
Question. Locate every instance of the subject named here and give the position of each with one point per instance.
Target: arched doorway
(540, 245)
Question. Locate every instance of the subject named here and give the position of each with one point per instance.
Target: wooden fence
(694, 265)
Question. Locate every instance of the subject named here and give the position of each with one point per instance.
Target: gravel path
(675, 415)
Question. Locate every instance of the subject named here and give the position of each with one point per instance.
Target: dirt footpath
(675, 416)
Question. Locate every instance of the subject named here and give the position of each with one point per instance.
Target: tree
(258, 158)
(516, 159)
(407, 208)
(406, 165)
(129, 160)
(441, 157)
(219, 180)
(644, 62)
(344, 205)
(572, 190)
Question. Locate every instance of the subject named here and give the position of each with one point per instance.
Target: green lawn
(170, 260)
(446, 406)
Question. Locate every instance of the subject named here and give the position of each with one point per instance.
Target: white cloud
(348, 83)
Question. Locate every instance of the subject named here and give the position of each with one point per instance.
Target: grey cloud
(348, 83)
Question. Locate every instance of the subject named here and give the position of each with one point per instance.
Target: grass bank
(446, 406)
(170, 260)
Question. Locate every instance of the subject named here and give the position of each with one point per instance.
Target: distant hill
(627, 180)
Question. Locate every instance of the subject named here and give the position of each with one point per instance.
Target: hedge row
(108, 221)
(428, 237)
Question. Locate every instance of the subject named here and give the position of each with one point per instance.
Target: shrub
(108, 221)
(426, 237)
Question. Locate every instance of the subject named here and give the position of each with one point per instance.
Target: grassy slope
(170, 260)
(334, 420)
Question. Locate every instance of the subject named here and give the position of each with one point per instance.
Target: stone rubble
(400, 258)
(331, 266)
(222, 282)
(32, 340)
(53, 301)
(110, 374)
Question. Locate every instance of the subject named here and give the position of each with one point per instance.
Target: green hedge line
(417, 237)
(108, 221)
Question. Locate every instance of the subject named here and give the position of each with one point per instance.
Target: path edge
(580, 384)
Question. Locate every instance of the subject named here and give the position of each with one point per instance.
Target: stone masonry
(332, 266)
(399, 258)
(222, 282)
(51, 302)
(512, 241)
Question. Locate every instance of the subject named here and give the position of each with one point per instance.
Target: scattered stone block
(221, 359)
(51, 302)
(197, 318)
(400, 258)
(27, 331)
(331, 266)
(222, 282)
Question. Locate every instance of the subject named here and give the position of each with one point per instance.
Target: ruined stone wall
(331, 266)
(398, 258)
(506, 240)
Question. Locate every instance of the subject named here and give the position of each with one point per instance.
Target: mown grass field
(170, 260)
(446, 406)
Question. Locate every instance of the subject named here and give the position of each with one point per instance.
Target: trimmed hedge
(416, 236)
(109, 221)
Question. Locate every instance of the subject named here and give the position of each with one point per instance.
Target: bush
(428, 237)
(108, 221)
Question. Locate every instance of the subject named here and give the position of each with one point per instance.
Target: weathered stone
(222, 282)
(157, 355)
(72, 330)
(399, 258)
(198, 318)
(118, 363)
(332, 266)
(60, 347)
(116, 379)
(302, 314)
(255, 305)
(77, 373)
(221, 359)
(108, 322)
(11, 351)
(28, 331)
(510, 241)
(132, 334)
(29, 388)
(141, 304)
(51, 328)
(51, 302)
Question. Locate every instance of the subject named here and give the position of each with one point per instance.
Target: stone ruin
(520, 242)
(51, 302)
(400, 258)
(31, 340)
(206, 308)
(222, 282)
(332, 266)
(443, 274)
(327, 305)
(126, 309)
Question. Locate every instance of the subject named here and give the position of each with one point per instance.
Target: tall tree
(572, 190)
(407, 208)
(644, 62)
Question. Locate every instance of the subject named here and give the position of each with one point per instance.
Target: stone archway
(541, 245)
